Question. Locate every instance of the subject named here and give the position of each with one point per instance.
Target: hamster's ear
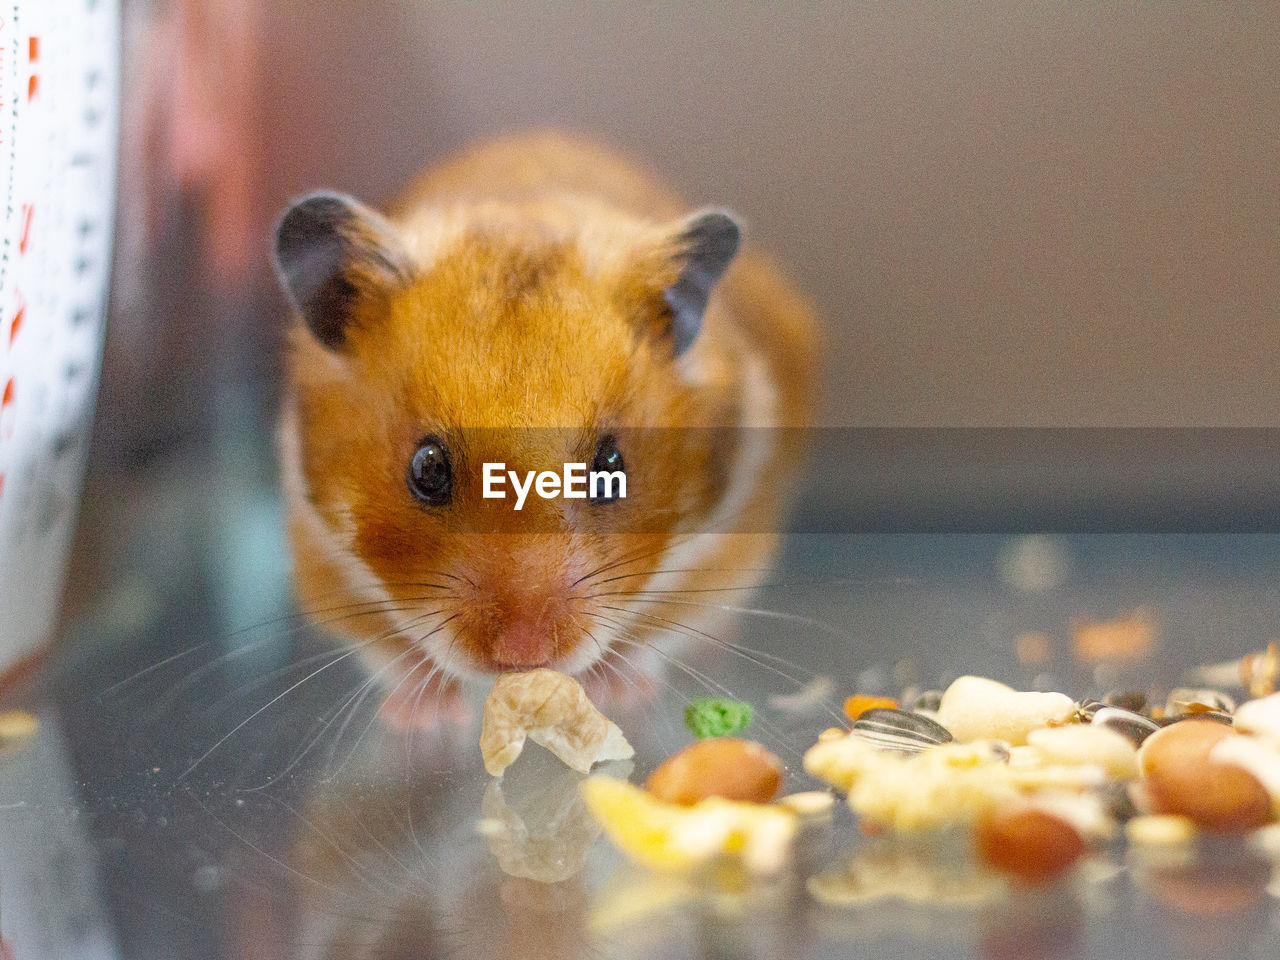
(705, 247)
(331, 251)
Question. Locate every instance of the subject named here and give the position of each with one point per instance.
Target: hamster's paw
(424, 701)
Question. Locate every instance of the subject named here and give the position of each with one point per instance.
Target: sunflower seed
(1132, 700)
(899, 730)
(1132, 725)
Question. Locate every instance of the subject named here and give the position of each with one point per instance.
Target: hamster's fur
(528, 302)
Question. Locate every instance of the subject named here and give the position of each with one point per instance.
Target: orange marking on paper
(18, 317)
(28, 211)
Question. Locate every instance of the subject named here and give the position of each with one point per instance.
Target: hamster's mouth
(577, 659)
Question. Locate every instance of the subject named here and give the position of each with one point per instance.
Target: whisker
(274, 700)
(413, 877)
(740, 588)
(416, 646)
(651, 573)
(352, 702)
(385, 887)
(715, 687)
(189, 681)
(756, 611)
(642, 555)
(746, 652)
(758, 658)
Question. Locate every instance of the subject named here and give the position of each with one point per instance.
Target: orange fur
(532, 324)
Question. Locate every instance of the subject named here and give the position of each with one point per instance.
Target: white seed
(1258, 756)
(974, 708)
(1086, 744)
(1260, 717)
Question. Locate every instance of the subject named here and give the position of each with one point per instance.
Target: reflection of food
(1260, 672)
(719, 767)
(1130, 637)
(887, 871)
(668, 836)
(1206, 889)
(544, 835)
(808, 698)
(17, 727)
(638, 895)
(551, 709)
(1029, 844)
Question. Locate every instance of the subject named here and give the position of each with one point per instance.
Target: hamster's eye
(608, 460)
(431, 473)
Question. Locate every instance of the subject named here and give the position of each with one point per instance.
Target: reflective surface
(209, 778)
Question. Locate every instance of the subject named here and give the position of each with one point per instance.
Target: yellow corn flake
(668, 836)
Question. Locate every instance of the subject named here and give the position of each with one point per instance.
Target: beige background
(1012, 213)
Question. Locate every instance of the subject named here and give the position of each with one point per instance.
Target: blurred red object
(197, 130)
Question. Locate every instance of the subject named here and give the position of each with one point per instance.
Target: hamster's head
(525, 337)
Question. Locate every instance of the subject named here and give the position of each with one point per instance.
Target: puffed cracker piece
(550, 709)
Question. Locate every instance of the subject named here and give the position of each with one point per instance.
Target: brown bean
(1180, 778)
(1030, 845)
(719, 767)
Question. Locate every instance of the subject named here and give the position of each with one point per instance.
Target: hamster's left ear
(331, 253)
(705, 248)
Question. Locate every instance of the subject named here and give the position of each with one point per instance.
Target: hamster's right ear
(331, 252)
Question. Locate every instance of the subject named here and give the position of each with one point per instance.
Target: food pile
(1029, 781)
(1037, 778)
(708, 800)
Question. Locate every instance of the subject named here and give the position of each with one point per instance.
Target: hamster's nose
(522, 616)
(523, 643)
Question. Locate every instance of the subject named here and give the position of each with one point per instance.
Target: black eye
(431, 473)
(608, 460)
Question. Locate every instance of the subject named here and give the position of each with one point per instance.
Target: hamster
(536, 301)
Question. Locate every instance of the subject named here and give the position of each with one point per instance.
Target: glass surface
(209, 779)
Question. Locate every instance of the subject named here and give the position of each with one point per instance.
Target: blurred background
(1009, 215)
(1044, 239)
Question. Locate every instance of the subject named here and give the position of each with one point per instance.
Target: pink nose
(523, 643)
